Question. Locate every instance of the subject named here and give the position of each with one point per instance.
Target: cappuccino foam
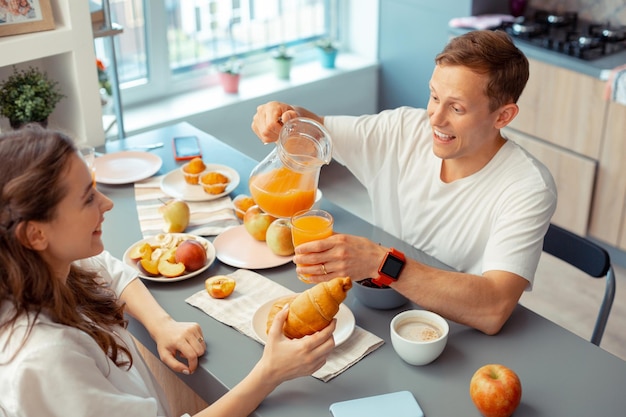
(418, 330)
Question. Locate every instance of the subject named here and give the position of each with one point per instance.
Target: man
(445, 180)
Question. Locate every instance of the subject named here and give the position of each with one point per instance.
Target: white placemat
(253, 290)
(208, 218)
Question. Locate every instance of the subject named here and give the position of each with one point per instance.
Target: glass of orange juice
(310, 225)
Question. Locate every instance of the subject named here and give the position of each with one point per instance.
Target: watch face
(392, 266)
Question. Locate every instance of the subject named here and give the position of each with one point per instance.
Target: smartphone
(186, 147)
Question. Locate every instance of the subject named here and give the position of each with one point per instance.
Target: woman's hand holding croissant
(279, 353)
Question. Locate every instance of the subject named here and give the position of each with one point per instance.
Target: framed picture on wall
(25, 16)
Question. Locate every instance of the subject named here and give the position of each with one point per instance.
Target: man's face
(464, 129)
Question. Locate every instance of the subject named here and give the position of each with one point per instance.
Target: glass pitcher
(285, 182)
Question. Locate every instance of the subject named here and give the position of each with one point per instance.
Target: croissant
(313, 309)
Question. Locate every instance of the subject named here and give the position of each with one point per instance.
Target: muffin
(214, 182)
(192, 170)
(242, 203)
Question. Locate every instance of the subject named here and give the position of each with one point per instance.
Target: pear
(176, 215)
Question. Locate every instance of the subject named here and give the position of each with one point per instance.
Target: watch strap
(390, 268)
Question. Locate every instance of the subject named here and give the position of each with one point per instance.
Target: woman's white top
(61, 371)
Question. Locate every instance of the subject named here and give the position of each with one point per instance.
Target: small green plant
(281, 53)
(326, 44)
(28, 96)
(232, 66)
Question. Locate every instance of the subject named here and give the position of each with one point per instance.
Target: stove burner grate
(566, 33)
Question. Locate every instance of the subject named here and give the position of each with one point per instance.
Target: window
(170, 46)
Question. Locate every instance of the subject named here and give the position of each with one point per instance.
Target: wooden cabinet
(561, 120)
(574, 175)
(67, 54)
(563, 107)
(608, 221)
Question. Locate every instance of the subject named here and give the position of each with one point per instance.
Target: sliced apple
(167, 265)
(220, 286)
(139, 251)
(149, 266)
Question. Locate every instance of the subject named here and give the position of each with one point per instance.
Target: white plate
(344, 329)
(210, 255)
(174, 184)
(235, 247)
(126, 166)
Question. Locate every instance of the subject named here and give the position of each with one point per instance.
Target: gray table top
(561, 373)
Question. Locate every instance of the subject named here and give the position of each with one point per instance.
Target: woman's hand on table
(341, 255)
(279, 353)
(183, 338)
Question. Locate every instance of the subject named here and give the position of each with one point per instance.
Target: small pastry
(192, 170)
(214, 182)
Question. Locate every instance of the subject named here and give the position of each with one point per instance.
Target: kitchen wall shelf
(67, 54)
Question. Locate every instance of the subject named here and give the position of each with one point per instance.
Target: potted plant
(28, 96)
(327, 51)
(282, 62)
(230, 73)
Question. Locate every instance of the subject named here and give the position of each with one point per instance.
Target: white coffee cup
(419, 336)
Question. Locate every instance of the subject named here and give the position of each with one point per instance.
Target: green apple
(256, 222)
(278, 237)
(176, 215)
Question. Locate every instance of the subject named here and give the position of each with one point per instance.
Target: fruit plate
(210, 254)
(235, 247)
(344, 329)
(173, 184)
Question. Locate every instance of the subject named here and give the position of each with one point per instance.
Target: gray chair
(590, 258)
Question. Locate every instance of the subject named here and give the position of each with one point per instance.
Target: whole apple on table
(276, 233)
(496, 390)
(176, 215)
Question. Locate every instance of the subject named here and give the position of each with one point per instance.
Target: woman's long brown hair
(33, 162)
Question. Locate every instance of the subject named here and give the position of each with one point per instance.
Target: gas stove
(566, 33)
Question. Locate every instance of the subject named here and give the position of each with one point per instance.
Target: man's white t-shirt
(61, 371)
(494, 219)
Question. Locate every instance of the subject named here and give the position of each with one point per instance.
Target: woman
(64, 347)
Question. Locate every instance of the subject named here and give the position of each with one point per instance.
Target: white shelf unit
(67, 54)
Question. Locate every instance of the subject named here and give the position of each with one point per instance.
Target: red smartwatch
(390, 268)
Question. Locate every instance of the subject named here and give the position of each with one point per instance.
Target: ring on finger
(200, 339)
(324, 269)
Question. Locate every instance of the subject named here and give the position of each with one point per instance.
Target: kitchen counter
(598, 68)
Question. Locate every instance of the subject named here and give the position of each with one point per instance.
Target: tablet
(397, 404)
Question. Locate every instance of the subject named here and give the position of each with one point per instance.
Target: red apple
(278, 237)
(256, 222)
(191, 253)
(495, 390)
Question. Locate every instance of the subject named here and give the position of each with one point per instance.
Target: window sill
(147, 116)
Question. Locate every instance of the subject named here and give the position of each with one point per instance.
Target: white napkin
(252, 291)
(208, 218)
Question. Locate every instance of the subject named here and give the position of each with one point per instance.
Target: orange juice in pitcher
(285, 182)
